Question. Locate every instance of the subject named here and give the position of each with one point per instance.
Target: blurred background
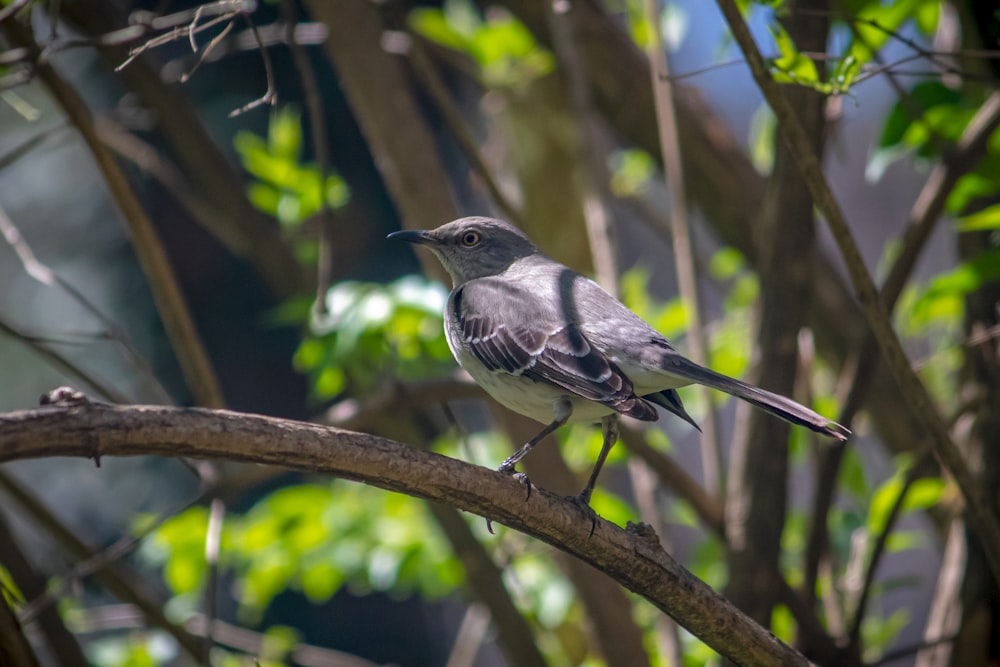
(194, 199)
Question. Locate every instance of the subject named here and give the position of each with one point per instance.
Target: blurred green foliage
(312, 538)
(500, 45)
(285, 186)
(873, 25)
(374, 332)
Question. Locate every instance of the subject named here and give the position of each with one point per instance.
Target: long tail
(777, 405)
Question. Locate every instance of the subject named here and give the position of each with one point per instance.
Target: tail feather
(777, 405)
(670, 401)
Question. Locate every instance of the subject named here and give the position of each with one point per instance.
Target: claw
(519, 476)
(582, 502)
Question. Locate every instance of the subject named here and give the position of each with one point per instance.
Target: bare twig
(875, 557)
(270, 95)
(213, 540)
(595, 180)
(126, 616)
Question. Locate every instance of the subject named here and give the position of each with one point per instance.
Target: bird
(551, 344)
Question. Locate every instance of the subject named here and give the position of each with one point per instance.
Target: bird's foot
(507, 468)
(582, 502)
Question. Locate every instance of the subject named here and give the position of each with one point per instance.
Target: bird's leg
(609, 425)
(563, 409)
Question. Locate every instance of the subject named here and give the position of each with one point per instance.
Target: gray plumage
(544, 340)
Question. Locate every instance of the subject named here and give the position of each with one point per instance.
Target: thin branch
(633, 557)
(167, 295)
(270, 95)
(708, 508)
(15, 649)
(924, 215)
(213, 541)
(321, 152)
(683, 244)
(64, 364)
(427, 74)
(45, 275)
(877, 551)
(119, 581)
(126, 616)
(593, 147)
(912, 390)
(63, 645)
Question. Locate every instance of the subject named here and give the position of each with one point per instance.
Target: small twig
(160, 40)
(708, 508)
(207, 51)
(13, 8)
(877, 550)
(213, 540)
(64, 364)
(470, 636)
(126, 616)
(595, 178)
(97, 561)
(269, 96)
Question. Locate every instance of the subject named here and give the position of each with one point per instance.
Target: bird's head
(471, 248)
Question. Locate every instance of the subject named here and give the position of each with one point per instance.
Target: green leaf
(963, 279)
(284, 135)
(988, 218)
(793, 66)
(763, 126)
(852, 476)
(726, 263)
(927, 15)
(921, 97)
(631, 172)
(432, 24)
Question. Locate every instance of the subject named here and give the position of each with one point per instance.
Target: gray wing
(509, 329)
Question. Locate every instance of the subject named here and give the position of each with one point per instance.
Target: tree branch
(912, 391)
(633, 557)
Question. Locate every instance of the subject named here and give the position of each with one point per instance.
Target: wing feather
(510, 330)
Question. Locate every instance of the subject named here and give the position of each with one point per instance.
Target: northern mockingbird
(552, 345)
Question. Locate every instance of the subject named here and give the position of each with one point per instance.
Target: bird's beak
(414, 236)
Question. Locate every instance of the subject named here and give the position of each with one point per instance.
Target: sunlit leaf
(792, 65)
(988, 218)
(762, 134)
(284, 134)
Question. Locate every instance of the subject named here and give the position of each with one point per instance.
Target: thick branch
(633, 557)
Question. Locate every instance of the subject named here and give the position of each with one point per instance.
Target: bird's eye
(471, 239)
